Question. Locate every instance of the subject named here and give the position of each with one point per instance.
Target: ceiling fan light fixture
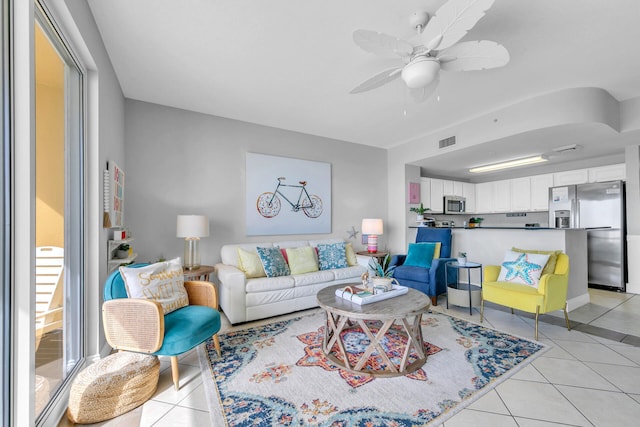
(420, 72)
(509, 164)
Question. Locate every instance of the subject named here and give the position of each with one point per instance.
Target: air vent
(447, 142)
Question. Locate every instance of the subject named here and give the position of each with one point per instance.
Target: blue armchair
(139, 325)
(431, 280)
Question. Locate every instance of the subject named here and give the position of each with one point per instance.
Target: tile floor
(590, 377)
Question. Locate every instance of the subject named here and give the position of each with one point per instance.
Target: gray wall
(181, 162)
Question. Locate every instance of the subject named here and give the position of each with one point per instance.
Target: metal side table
(457, 292)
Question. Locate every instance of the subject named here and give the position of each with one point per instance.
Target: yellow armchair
(551, 294)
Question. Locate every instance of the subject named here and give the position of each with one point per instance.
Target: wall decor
(287, 196)
(414, 192)
(113, 196)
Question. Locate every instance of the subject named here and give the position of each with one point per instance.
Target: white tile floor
(591, 376)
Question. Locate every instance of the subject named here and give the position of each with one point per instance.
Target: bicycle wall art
(287, 196)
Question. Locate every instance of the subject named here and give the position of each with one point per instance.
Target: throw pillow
(302, 260)
(273, 262)
(332, 255)
(521, 267)
(436, 251)
(420, 254)
(550, 267)
(250, 264)
(351, 255)
(162, 282)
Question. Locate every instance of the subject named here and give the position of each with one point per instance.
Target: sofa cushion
(410, 272)
(351, 255)
(302, 260)
(273, 262)
(313, 278)
(550, 266)
(420, 254)
(523, 268)
(348, 273)
(250, 264)
(332, 255)
(264, 284)
(162, 282)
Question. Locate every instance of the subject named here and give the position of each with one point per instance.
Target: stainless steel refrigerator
(600, 209)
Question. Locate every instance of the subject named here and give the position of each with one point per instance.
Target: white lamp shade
(192, 226)
(372, 226)
(420, 72)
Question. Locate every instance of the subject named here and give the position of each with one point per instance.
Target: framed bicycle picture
(287, 196)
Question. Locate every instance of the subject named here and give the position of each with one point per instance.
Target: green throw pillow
(420, 254)
(550, 267)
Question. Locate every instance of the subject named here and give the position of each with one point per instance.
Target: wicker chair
(140, 325)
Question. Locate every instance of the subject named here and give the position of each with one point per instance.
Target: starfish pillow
(523, 268)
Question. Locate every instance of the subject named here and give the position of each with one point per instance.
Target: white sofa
(243, 299)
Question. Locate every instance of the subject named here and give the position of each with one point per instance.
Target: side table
(200, 273)
(379, 255)
(456, 291)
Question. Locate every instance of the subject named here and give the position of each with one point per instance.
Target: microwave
(454, 204)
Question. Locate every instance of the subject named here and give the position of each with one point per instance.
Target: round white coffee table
(375, 320)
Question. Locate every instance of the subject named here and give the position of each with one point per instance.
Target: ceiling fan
(439, 49)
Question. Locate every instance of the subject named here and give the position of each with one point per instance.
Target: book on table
(361, 295)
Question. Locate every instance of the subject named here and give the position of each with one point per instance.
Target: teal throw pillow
(420, 254)
(273, 262)
(332, 255)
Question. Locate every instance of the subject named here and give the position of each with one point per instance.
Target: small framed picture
(414, 192)
(365, 238)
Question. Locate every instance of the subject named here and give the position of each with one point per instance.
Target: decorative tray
(363, 296)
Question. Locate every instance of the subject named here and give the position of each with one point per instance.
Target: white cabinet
(484, 197)
(452, 188)
(469, 193)
(608, 173)
(579, 176)
(114, 262)
(437, 194)
(540, 185)
(520, 194)
(501, 196)
(425, 192)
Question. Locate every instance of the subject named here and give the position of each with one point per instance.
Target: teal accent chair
(139, 325)
(430, 281)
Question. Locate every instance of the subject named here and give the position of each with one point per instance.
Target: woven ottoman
(112, 386)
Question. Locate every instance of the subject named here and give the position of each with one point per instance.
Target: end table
(454, 290)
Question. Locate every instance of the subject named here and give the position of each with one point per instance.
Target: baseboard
(578, 301)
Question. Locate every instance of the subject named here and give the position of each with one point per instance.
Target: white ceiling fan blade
(378, 80)
(422, 93)
(473, 55)
(452, 22)
(382, 44)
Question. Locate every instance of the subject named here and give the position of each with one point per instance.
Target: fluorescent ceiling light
(510, 164)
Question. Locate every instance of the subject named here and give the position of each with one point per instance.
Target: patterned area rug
(277, 375)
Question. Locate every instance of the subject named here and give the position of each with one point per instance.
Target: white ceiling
(290, 64)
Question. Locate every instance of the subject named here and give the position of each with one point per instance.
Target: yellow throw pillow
(351, 255)
(302, 260)
(250, 264)
(550, 267)
(162, 282)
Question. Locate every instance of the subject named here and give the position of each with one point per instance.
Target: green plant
(462, 254)
(382, 269)
(420, 210)
(123, 247)
(476, 220)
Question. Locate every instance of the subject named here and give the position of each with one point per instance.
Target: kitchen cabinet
(578, 176)
(520, 189)
(501, 196)
(484, 197)
(425, 192)
(452, 188)
(608, 173)
(540, 185)
(469, 193)
(437, 194)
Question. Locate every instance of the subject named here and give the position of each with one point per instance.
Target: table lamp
(372, 227)
(192, 228)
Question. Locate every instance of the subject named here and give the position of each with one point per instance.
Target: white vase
(386, 282)
(419, 218)
(462, 261)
